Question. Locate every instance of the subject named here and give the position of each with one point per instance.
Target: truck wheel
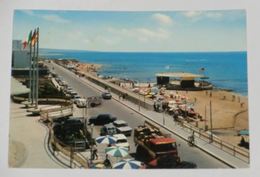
(92, 105)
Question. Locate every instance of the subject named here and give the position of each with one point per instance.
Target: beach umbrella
(106, 140)
(116, 151)
(128, 164)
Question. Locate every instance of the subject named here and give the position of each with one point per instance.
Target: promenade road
(84, 88)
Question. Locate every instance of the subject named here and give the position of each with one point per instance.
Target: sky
(160, 31)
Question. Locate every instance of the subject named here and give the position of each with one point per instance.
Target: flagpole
(34, 74)
(37, 67)
(30, 74)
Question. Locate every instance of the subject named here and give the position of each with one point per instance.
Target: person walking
(94, 152)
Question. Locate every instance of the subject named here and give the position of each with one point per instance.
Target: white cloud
(214, 15)
(28, 12)
(141, 34)
(54, 18)
(192, 14)
(198, 15)
(162, 18)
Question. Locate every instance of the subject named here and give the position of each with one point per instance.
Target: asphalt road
(186, 153)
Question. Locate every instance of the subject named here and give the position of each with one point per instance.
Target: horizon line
(147, 51)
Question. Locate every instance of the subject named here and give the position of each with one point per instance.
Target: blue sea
(227, 70)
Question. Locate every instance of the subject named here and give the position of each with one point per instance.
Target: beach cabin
(180, 80)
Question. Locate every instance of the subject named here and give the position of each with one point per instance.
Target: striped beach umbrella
(116, 151)
(106, 140)
(128, 164)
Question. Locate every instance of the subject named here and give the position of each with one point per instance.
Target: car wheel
(92, 105)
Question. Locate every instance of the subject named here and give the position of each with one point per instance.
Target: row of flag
(32, 38)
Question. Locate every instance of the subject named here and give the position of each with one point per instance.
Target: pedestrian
(154, 106)
(107, 162)
(94, 152)
(210, 94)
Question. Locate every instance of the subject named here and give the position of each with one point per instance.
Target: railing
(56, 112)
(238, 152)
(69, 151)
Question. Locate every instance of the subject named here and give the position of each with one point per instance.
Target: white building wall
(21, 59)
(17, 45)
(20, 56)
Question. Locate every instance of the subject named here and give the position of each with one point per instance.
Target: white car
(121, 141)
(81, 102)
(122, 127)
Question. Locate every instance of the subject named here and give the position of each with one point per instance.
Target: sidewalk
(173, 127)
(28, 141)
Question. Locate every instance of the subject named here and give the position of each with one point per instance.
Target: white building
(20, 56)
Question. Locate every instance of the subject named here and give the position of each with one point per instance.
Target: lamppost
(211, 123)
(139, 102)
(92, 142)
(164, 117)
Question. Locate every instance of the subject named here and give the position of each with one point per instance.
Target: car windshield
(163, 147)
(121, 125)
(122, 141)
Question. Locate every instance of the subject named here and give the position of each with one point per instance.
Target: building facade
(20, 56)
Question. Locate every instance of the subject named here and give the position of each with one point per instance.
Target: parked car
(121, 141)
(122, 127)
(70, 132)
(106, 95)
(102, 119)
(75, 98)
(108, 129)
(72, 93)
(81, 102)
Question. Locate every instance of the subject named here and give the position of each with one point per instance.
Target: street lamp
(164, 118)
(92, 143)
(139, 102)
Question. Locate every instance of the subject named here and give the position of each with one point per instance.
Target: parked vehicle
(102, 119)
(72, 93)
(81, 102)
(70, 132)
(121, 141)
(75, 98)
(108, 129)
(122, 127)
(106, 95)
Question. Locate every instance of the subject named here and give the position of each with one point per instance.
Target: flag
(24, 44)
(29, 37)
(34, 38)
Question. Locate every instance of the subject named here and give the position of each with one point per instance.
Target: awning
(17, 88)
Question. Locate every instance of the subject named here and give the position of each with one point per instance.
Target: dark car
(102, 119)
(106, 95)
(70, 133)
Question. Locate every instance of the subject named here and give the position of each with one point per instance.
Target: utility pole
(139, 105)
(206, 127)
(163, 117)
(211, 124)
